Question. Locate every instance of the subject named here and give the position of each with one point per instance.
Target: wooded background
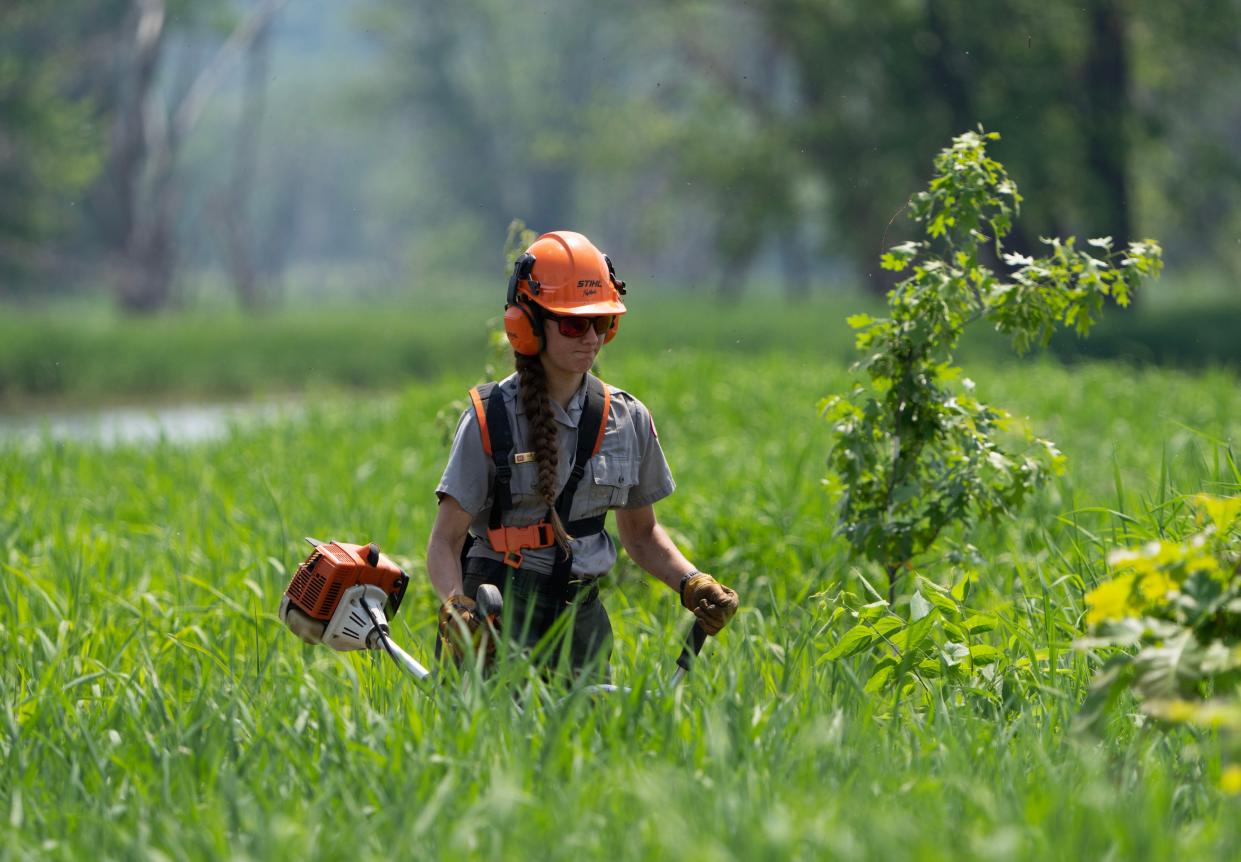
(157, 152)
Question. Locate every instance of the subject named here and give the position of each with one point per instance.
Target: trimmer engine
(339, 585)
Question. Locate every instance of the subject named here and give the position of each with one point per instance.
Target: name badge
(523, 457)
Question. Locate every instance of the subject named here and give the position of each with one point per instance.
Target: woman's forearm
(444, 568)
(452, 525)
(650, 547)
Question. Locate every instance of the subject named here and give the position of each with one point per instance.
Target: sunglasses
(575, 327)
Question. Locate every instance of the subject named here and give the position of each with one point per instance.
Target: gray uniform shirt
(629, 471)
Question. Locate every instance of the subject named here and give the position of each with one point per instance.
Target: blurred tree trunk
(146, 145)
(129, 152)
(234, 214)
(1107, 104)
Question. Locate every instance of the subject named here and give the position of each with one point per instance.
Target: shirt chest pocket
(523, 485)
(606, 484)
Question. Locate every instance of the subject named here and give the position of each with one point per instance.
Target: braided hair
(545, 436)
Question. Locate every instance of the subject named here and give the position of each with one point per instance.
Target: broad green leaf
(861, 636)
(879, 678)
(918, 607)
(941, 601)
(979, 623)
(1171, 669)
(910, 639)
(984, 653)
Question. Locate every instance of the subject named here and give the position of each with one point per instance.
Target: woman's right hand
(460, 626)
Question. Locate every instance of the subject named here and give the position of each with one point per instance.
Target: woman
(541, 457)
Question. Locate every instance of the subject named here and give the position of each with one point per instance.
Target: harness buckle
(511, 541)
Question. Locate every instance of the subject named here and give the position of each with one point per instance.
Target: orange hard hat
(569, 276)
(563, 273)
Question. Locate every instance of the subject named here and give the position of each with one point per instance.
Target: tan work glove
(460, 625)
(713, 603)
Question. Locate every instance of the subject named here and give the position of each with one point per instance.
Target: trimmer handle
(694, 640)
(489, 603)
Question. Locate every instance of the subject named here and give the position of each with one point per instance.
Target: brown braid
(543, 433)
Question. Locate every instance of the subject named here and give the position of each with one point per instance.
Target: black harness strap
(588, 427)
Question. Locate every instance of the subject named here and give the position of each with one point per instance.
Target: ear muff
(522, 325)
(524, 328)
(611, 333)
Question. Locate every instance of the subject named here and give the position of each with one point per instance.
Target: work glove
(305, 627)
(713, 603)
(461, 627)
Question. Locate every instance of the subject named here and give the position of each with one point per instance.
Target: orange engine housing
(334, 567)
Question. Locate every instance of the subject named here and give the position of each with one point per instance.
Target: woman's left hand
(713, 603)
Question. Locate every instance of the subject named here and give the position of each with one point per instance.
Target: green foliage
(916, 451)
(1173, 608)
(50, 149)
(949, 653)
(152, 706)
(1129, 97)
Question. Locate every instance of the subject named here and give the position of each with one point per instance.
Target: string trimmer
(343, 594)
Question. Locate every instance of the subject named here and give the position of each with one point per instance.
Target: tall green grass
(151, 706)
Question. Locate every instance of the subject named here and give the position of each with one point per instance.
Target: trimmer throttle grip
(694, 640)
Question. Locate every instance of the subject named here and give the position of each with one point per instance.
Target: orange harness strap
(481, 414)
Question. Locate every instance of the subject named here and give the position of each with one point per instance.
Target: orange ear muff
(524, 332)
(611, 333)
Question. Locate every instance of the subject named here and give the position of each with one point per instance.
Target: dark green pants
(531, 610)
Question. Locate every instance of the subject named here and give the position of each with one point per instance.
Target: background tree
(49, 145)
(880, 83)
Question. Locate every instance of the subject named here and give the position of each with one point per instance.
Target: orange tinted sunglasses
(575, 327)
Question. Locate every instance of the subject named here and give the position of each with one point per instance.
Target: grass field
(151, 706)
(79, 353)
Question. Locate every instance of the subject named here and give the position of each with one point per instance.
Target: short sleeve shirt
(628, 471)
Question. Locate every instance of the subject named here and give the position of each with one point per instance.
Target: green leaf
(879, 678)
(1104, 692)
(941, 601)
(908, 640)
(1171, 669)
(861, 636)
(984, 654)
(954, 653)
(979, 623)
(918, 607)
(859, 321)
